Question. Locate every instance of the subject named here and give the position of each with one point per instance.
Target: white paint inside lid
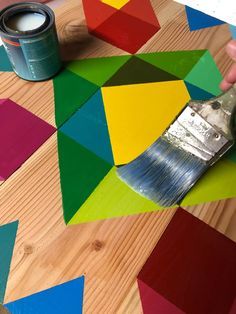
(27, 21)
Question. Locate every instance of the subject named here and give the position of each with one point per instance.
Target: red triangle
(153, 302)
(141, 9)
(96, 12)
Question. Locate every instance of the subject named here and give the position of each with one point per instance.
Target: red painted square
(193, 267)
(128, 28)
(21, 134)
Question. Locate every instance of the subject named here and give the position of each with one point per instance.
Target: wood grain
(110, 253)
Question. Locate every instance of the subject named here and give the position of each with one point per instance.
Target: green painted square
(178, 63)
(97, 70)
(80, 170)
(70, 92)
(217, 184)
(206, 75)
(112, 198)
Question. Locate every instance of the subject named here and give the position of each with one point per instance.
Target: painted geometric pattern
(127, 102)
(126, 24)
(108, 111)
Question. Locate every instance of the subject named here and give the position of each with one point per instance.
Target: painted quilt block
(125, 24)
(191, 270)
(21, 134)
(64, 298)
(138, 98)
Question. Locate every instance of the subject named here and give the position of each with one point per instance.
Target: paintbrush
(201, 134)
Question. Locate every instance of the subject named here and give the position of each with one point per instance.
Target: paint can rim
(26, 7)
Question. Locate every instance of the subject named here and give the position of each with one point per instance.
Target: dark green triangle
(178, 63)
(97, 70)
(80, 171)
(231, 155)
(138, 71)
(70, 92)
(7, 242)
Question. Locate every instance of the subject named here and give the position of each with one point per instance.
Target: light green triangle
(217, 184)
(206, 75)
(112, 198)
(178, 63)
(98, 70)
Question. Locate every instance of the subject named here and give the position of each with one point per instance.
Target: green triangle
(70, 92)
(80, 171)
(205, 75)
(97, 70)
(217, 184)
(178, 63)
(112, 198)
(7, 242)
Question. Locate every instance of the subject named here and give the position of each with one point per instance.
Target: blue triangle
(5, 65)
(66, 298)
(7, 242)
(88, 127)
(197, 93)
(198, 20)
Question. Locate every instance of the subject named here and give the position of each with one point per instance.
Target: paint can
(29, 36)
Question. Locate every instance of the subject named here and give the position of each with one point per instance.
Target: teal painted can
(29, 36)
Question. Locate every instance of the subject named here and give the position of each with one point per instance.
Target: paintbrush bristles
(164, 173)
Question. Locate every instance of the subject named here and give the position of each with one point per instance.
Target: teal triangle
(7, 242)
(205, 75)
(66, 298)
(80, 172)
(178, 63)
(5, 65)
(88, 127)
(197, 93)
(70, 92)
(97, 70)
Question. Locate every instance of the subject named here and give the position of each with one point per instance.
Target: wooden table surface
(110, 253)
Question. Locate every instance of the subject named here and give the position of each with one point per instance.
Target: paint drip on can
(29, 36)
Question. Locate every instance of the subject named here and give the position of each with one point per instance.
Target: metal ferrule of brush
(200, 135)
(206, 128)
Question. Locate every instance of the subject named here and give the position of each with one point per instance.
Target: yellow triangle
(138, 114)
(117, 4)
